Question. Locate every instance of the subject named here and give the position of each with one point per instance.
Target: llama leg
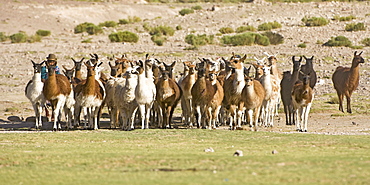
(348, 97)
(306, 112)
(257, 112)
(209, 115)
(297, 116)
(142, 115)
(199, 116)
(36, 110)
(287, 119)
(340, 98)
(250, 117)
(96, 111)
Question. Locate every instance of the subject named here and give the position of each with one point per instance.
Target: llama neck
(90, 84)
(78, 74)
(36, 77)
(239, 82)
(294, 77)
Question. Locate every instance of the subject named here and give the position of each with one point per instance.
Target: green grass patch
(269, 26)
(43, 33)
(242, 29)
(186, 11)
(177, 157)
(226, 30)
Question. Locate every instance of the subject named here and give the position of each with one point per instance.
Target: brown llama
(253, 95)
(186, 84)
(168, 95)
(199, 94)
(233, 87)
(58, 90)
(308, 69)
(89, 96)
(346, 80)
(302, 97)
(216, 96)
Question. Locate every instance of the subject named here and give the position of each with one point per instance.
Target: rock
(210, 149)
(274, 152)
(238, 153)
(14, 119)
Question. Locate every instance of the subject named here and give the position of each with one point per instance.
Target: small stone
(210, 149)
(238, 153)
(274, 152)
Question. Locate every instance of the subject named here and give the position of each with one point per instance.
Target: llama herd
(211, 92)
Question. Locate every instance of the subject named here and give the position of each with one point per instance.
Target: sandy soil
(60, 17)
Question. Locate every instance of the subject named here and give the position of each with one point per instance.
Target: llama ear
(73, 60)
(41, 62)
(147, 56)
(360, 53)
(245, 57)
(173, 64)
(33, 63)
(300, 59)
(82, 59)
(64, 67)
(305, 57)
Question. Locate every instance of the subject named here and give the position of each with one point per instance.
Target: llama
(308, 69)
(253, 95)
(58, 90)
(199, 93)
(346, 80)
(267, 82)
(145, 92)
(233, 87)
(216, 96)
(186, 85)
(286, 87)
(78, 72)
(33, 92)
(168, 94)
(302, 97)
(124, 97)
(90, 95)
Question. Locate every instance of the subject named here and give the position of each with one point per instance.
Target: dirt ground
(60, 17)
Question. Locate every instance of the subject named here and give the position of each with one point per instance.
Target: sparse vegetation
(158, 39)
(315, 21)
(178, 27)
(347, 18)
(90, 28)
(242, 29)
(366, 42)
(302, 45)
(226, 30)
(43, 33)
(162, 30)
(124, 36)
(108, 24)
(274, 38)
(197, 7)
(3, 37)
(199, 40)
(338, 41)
(89, 40)
(19, 37)
(355, 27)
(186, 11)
(245, 39)
(269, 26)
(129, 20)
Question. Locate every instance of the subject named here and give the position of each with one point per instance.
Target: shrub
(338, 41)
(302, 45)
(108, 24)
(185, 11)
(43, 33)
(146, 27)
(366, 42)
(124, 36)
(242, 29)
(82, 27)
(226, 30)
(355, 27)
(158, 39)
(197, 7)
(269, 26)
(199, 40)
(348, 18)
(315, 21)
(19, 37)
(123, 21)
(93, 29)
(178, 27)
(243, 39)
(134, 19)
(162, 30)
(89, 40)
(34, 38)
(274, 38)
(3, 37)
